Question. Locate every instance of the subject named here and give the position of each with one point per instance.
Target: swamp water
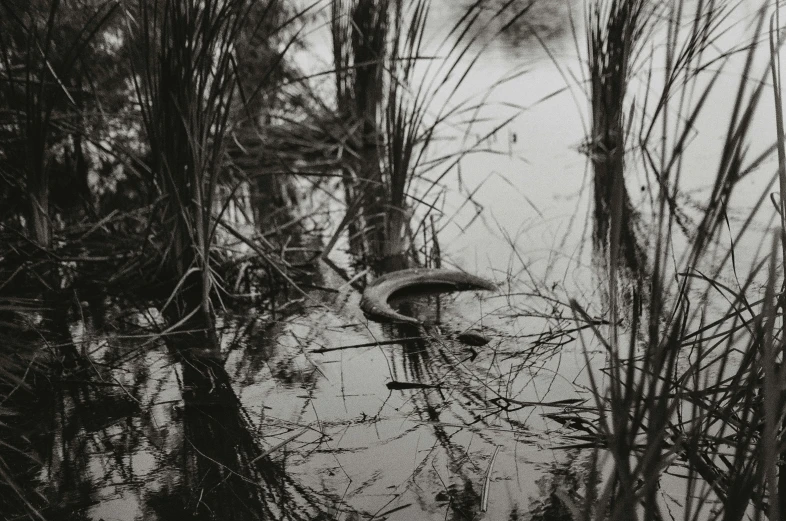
(283, 423)
(278, 431)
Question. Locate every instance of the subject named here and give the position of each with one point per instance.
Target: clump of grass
(41, 45)
(387, 91)
(185, 82)
(615, 32)
(359, 30)
(689, 389)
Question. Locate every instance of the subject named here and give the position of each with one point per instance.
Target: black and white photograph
(392, 260)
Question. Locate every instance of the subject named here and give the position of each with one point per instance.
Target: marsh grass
(40, 63)
(692, 385)
(394, 92)
(359, 30)
(615, 32)
(185, 81)
(691, 389)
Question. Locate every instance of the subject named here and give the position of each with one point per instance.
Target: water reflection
(162, 435)
(225, 473)
(430, 357)
(262, 427)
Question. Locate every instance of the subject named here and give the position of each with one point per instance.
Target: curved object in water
(375, 298)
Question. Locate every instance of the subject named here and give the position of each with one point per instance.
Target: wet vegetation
(194, 195)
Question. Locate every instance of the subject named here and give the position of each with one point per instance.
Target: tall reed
(393, 94)
(774, 376)
(185, 81)
(689, 386)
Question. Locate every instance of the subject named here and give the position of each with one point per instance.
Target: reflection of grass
(692, 365)
(69, 436)
(236, 478)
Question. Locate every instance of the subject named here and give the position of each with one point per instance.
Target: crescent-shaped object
(375, 298)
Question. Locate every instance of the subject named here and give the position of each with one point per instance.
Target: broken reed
(687, 392)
